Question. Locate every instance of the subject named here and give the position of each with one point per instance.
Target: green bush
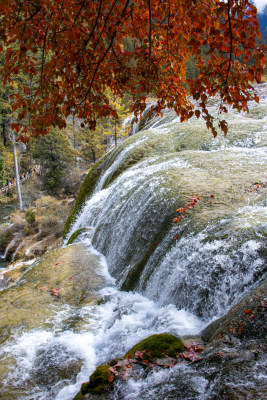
(26, 230)
(30, 217)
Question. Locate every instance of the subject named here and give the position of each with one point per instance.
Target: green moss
(86, 190)
(75, 235)
(160, 345)
(78, 396)
(98, 380)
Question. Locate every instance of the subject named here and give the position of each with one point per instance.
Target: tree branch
(231, 41)
(150, 29)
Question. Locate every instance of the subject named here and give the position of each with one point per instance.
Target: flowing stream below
(152, 275)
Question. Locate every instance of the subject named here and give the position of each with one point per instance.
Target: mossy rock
(86, 190)
(160, 345)
(97, 382)
(78, 396)
(75, 235)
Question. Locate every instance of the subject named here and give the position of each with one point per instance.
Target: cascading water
(178, 277)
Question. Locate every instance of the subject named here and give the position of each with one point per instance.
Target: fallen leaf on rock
(55, 292)
(188, 356)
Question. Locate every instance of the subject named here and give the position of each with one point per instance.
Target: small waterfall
(15, 252)
(116, 163)
(9, 247)
(159, 276)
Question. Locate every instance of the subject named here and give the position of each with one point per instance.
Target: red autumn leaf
(110, 378)
(87, 59)
(188, 356)
(139, 354)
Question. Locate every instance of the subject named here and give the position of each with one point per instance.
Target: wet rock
(54, 364)
(235, 355)
(98, 383)
(153, 348)
(4, 333)
(64, 276)
(245, 321)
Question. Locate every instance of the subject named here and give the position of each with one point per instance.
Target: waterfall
(8, 247)
(159, 276)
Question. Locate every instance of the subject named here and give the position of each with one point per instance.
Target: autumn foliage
(72, 51)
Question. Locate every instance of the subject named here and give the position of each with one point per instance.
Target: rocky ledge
(228, 357)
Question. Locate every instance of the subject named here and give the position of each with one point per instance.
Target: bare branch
(150, 29)
(231, 41)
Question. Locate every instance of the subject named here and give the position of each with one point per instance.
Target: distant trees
(55, 155)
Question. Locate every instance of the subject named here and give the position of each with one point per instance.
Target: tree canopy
(74, 51)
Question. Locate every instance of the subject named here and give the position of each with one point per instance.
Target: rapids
(157, 276)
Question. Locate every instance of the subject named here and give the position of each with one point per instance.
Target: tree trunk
(16, 170)
(93, 154)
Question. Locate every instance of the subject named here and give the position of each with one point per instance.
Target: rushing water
(178, 276)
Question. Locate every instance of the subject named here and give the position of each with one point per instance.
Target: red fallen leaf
(114, 371)
(145, 362)
(197, 348)
(175, 237)
(188, 356)
(212, 195)
(128, 357)
(57, 264)
(55, 292)
(248, 312)
(110, 378)
(233, 331)
(240, 330)
(71, 277)
(139, 354)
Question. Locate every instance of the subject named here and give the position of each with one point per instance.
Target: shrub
(30, 217)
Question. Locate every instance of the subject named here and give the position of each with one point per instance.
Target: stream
(156, 275)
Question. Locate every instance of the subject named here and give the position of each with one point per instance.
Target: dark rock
(245, 321)
(55, 363)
